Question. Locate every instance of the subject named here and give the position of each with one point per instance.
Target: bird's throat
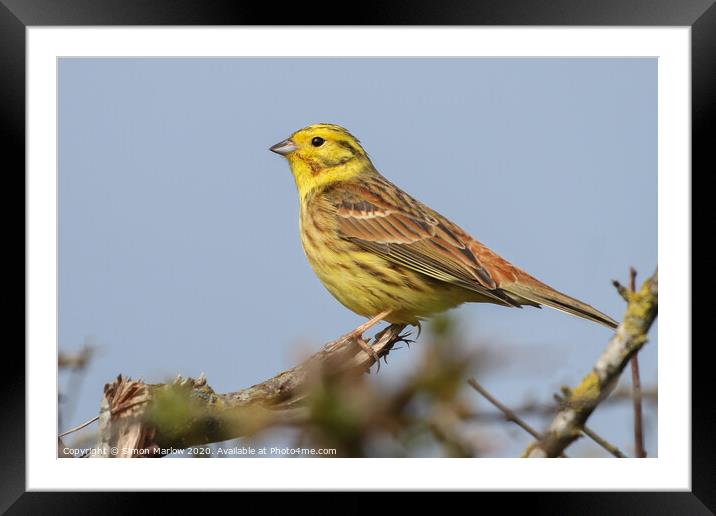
(311, 176)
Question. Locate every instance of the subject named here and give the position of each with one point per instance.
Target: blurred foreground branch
(580, 402)
(150, 420)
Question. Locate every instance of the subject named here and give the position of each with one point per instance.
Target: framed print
(229, 224)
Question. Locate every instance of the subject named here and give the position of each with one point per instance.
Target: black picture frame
(17, 15)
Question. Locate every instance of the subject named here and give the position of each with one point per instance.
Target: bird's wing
(386, 221)
(383, 219)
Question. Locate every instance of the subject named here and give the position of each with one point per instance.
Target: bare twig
(78, 427)
(622, 290)
(594, 436)
(628, 339)
(603, 443)
(76, 364)
(509, 414)
(639, 450)
(632, 280)
(533, 408)
(77, 360)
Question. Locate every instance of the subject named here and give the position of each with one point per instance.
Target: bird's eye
(317, 141)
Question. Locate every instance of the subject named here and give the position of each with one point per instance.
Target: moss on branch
(580, 402)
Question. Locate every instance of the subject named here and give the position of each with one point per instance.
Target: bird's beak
(284, 147)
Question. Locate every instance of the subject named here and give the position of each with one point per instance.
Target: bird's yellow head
(322, 154)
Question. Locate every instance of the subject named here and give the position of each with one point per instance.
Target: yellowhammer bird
(387, 256)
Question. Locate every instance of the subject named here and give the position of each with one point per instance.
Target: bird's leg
(360, 330)
(357, 335)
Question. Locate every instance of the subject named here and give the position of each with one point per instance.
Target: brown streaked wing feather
(412, 236)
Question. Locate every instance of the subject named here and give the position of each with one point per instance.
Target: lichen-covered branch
(141, 420)
(580, 402)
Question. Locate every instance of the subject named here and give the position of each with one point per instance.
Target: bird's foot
(357, 336)
(365, 346)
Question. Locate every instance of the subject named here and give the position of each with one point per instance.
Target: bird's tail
(534, 291)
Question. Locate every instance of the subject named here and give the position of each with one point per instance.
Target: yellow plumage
(382, 253)
(365, 282)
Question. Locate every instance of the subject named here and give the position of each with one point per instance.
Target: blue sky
(178, 229)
